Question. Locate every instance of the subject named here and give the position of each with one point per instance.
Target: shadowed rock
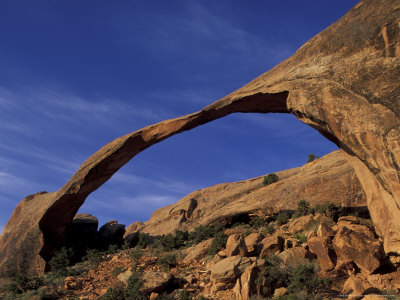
(343, 82)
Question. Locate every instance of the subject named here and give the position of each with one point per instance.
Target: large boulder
(235, 245)
(321, 247)
(330, 83)
(230, 268)
(246, 286)
(111, 233)
(354, 246)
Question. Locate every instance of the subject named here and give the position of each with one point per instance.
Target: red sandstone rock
(330, 83)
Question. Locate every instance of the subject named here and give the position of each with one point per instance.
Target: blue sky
(77, 74)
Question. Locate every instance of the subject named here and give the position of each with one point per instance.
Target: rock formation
(328, 179)
(343, 82)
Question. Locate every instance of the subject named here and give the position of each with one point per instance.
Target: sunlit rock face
(343, 82)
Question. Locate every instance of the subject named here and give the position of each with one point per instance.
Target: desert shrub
(268, 229)
(329, 209)
(21, 283)
(143, 240)
(112, 249)
(301, 237)
(257, 222)
(274, 274)
(134, 283)
(270, 178)
(311, 157)
(200, 233)
(136, 254)
(174, 242)
(303, 208)
(60, 261)
(93, 257)
(185, 295)
(282, 218)
(117, 293)
(218, 242)
(305, 278)
(167, 261)
(116, 271)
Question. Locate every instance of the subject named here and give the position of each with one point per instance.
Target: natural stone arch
(331, 83)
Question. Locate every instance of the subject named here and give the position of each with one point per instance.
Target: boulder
(229, 269)
(330, 83)
(155, 282)
(300, 224)
(246, 285)
(252, 241)
(271, 245)
(82, 233)
(279, 292)
(295, 256)
(322, 248)
(355, 287)
(364, 251)
(111, 233)
(235, 245)
(353, 223)
(198, 251)
(325, 230)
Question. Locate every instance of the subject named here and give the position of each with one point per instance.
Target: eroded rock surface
(343, 82)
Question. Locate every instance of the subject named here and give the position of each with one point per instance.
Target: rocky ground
(304, 256)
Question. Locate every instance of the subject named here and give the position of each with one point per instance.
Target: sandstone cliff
(328, 179)
(343, 82)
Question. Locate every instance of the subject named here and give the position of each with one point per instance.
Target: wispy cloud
(166, 184)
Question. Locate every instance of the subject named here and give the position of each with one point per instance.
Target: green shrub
(218, 243)
(21, 283)
(275, 273)
(167, 261)
(270, 178)
(174, 242)
(329, 209)
(134, 283)
(282, 218)
(311, 157)
(60, 261)
(185, 295)
(301, 237)
(268, 230)
(257, 222)
(93, 257)
(200, 233)
(143, 240)
(136, 254)
(303, 208)
(305, 278)
(117, 293)
(112, 249)
(116, 271)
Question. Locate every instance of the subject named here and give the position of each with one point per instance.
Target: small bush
(185, 295)
(200, 233)
(134, 283)
(116, 271)
(311, 157)
(143, 240)
(218, 243)
(117, 293)
(305, 278)
(167, 261)
(21, 283)
(257, 222)
(303, 208)
(60, 261)
(270, 178)
(329, 209)
(282, 219)
(268, 230)
(301, 237)
(93, 257)
(136, 254)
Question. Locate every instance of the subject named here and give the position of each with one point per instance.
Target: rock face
(343, 82)
(328, 179)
